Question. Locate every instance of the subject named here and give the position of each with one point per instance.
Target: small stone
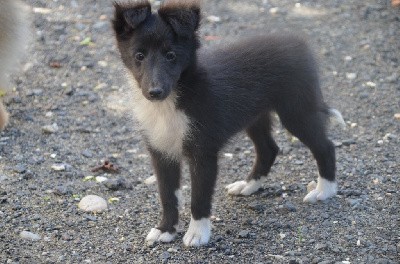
(337, 144)
(165, 255)
(320, 246)
(102, 63)
(92, 203)
(172, 250)
(273, 10)
(87, 153)
(29, 236)
(50, 129)
(351, 75)
(34, 92)
(382, 261)
(117, 184)
(256, 206)
(244, 234)
(290, 207)
(353, 202)
(213, 19)
(348, 58)
(228, 155)
(20, 168)
(370, 84)
(397, 116)
(101, 179)
(325, 262)
(151, 180)
(58, 167)
(90, 217)
(61, 190)
(349, 142)
(298, 162)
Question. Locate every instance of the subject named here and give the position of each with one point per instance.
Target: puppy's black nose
(156, 92)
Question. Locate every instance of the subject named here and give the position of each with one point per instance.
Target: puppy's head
(157, 47)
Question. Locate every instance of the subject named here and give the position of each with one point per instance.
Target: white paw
(155, 235)
(324, 190)
(198, 233)
(243, 187)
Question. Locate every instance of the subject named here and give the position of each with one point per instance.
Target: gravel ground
(71, 106)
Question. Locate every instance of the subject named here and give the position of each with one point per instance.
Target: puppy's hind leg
(266, 149)
(309, 128)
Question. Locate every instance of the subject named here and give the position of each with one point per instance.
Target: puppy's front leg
(203, 169)
(168, 173)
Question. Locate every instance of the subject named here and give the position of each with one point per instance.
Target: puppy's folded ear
(183, 16)
(128, 16)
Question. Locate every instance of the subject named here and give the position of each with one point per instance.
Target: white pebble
(102, 63)
(29, 235)
(58, 167)
(101, 179)
(214, 19)
(370, 84)
(92, 203)
(143, 156)
(348, 58)
(351, 75)
(273, 10)
(228, 155)
(53, 128)
(151, 180)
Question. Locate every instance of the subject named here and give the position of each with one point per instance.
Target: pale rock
(92, 203)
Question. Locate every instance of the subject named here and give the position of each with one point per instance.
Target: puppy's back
(265, 67)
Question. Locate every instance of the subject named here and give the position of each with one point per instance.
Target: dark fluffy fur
(222, 91)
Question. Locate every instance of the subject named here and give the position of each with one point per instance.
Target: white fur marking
(198, 233)
(244, 187)
(324, 190)
(164, 126)
(155, 235)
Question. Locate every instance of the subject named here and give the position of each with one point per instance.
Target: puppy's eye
(170, 56)
(139, 56)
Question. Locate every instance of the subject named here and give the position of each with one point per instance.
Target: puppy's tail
(336, 117)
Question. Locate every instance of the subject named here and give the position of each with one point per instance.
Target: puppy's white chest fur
(164, 126)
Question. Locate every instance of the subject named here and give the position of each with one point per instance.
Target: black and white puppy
(189, 102)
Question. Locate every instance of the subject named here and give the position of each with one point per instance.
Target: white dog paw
(244, 187)
(199, 233)
(156, 235)
(324, 190)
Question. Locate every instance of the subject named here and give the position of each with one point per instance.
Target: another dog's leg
(310, 130)
(203, 169)
(266, 149)
(168, 178)
(3, 116)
